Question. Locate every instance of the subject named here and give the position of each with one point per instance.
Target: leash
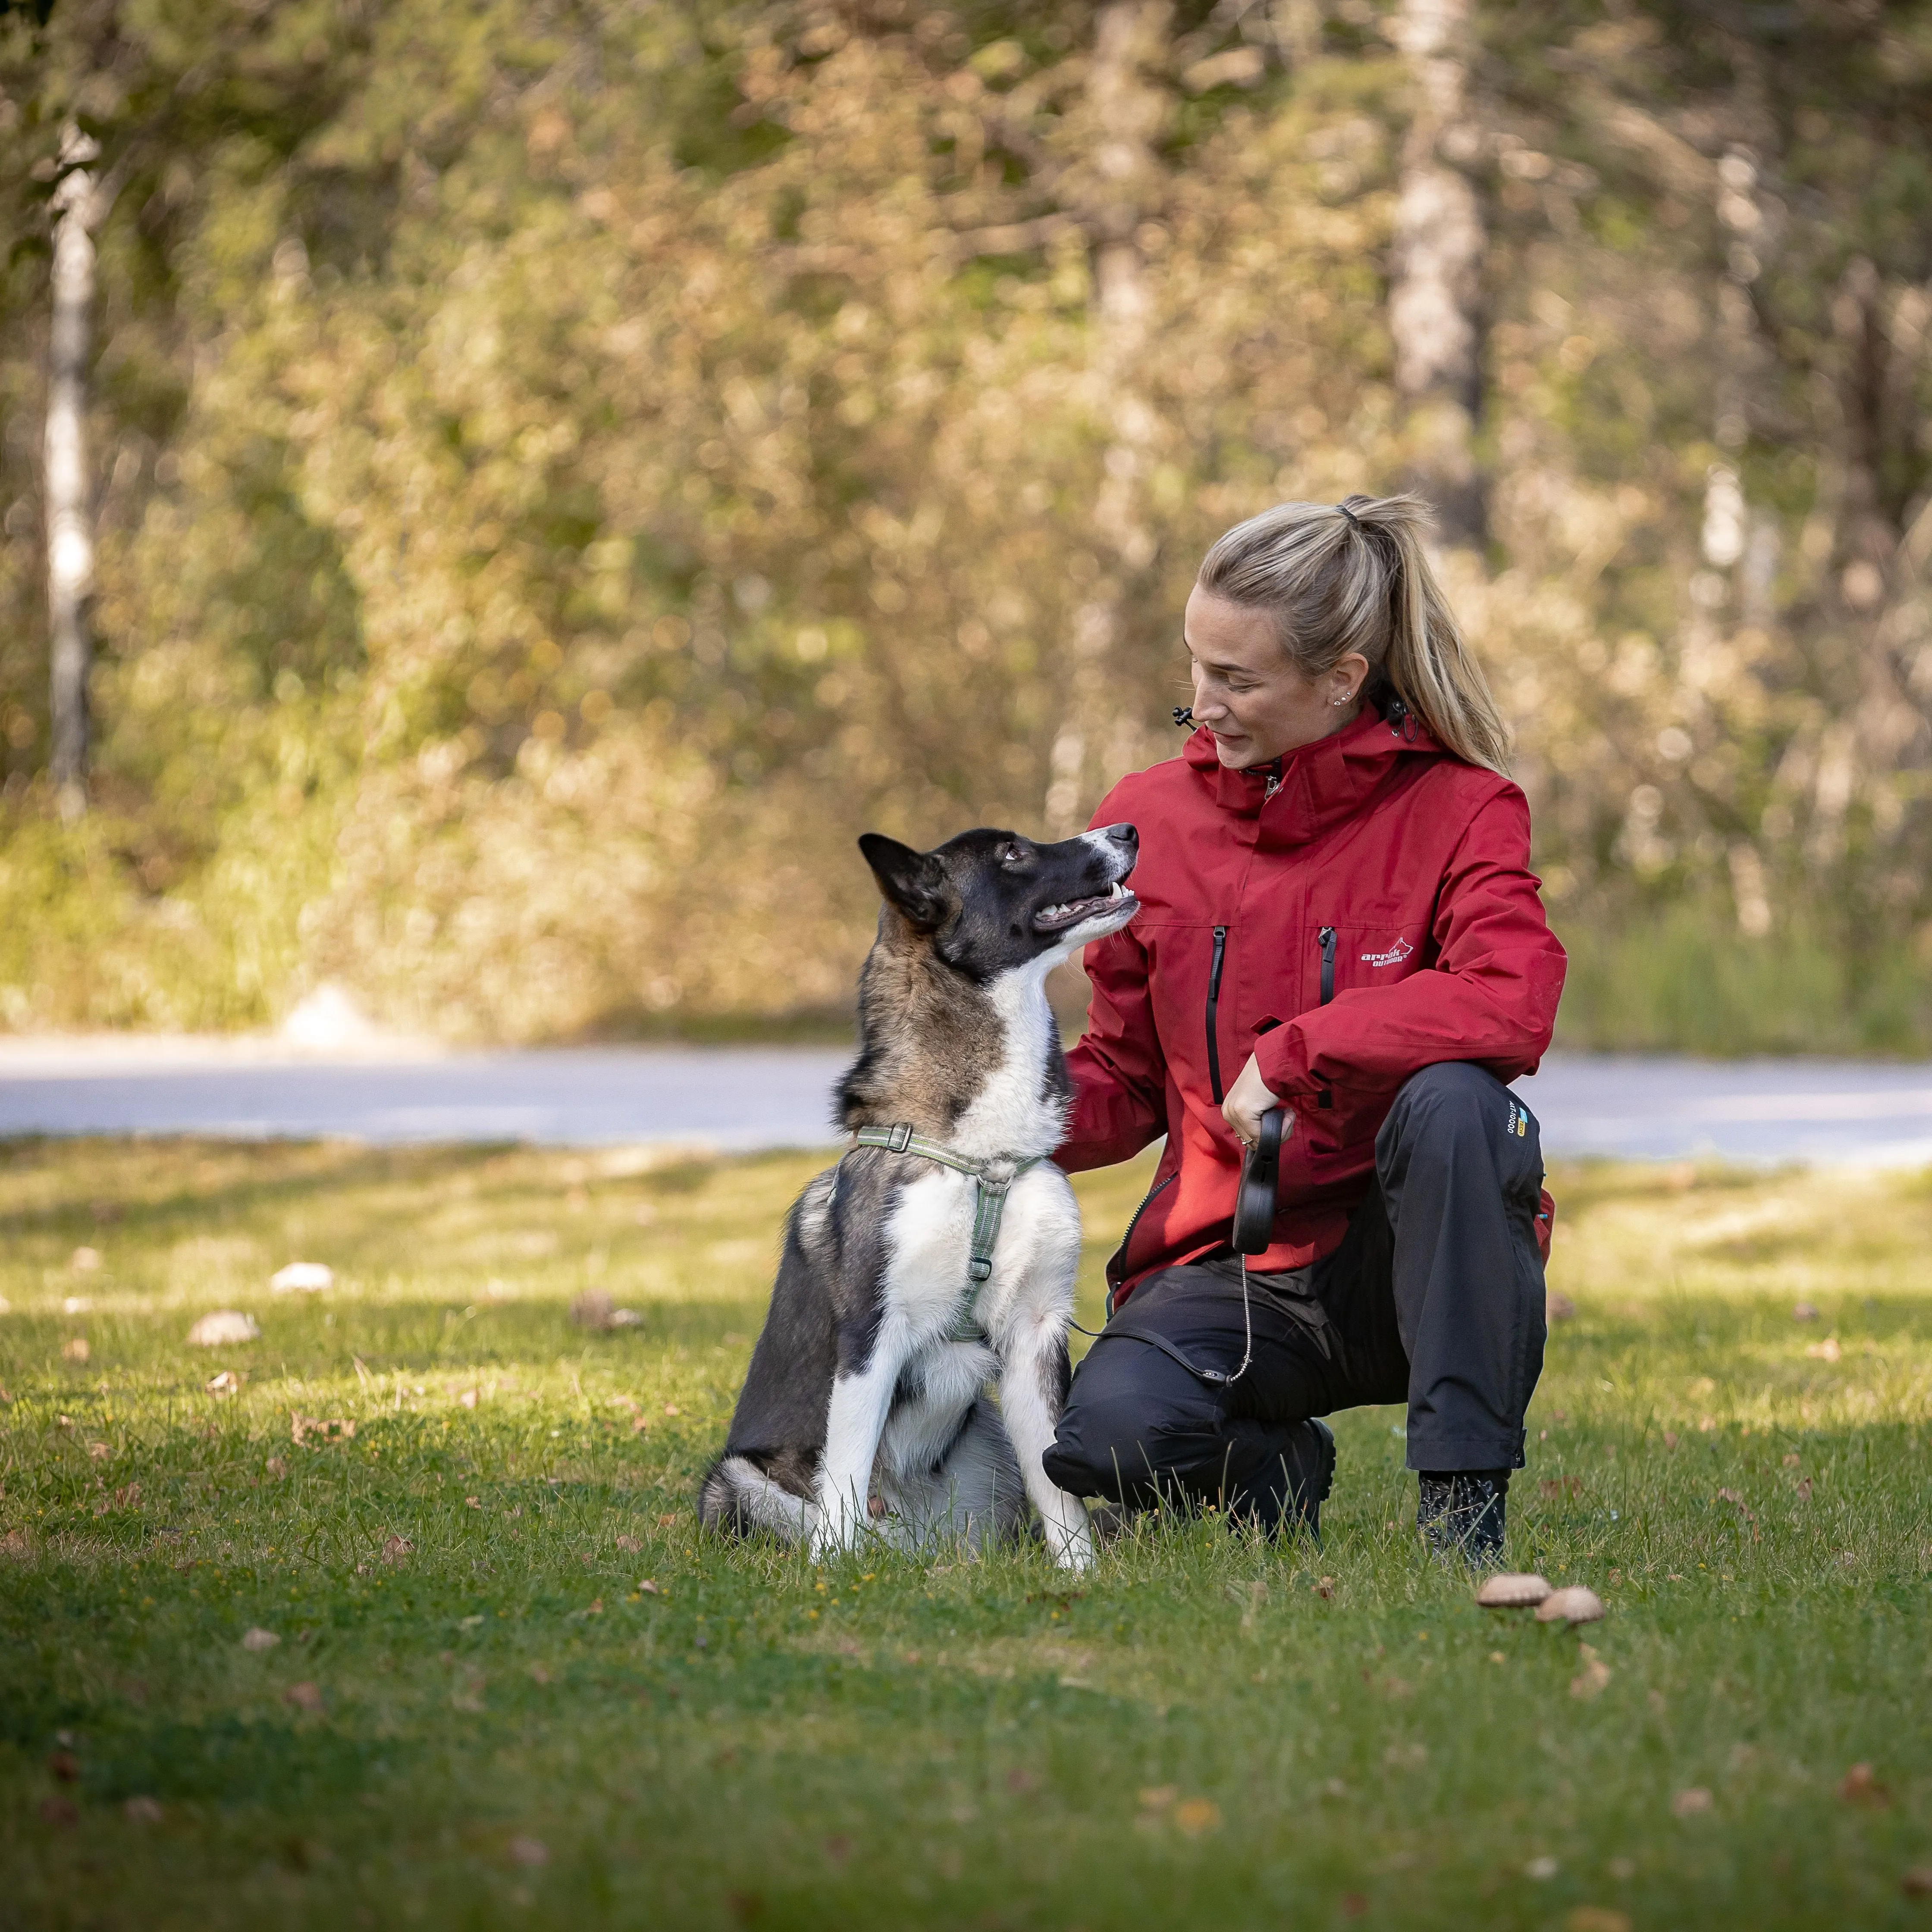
(992, 1180)
(1220, 1378)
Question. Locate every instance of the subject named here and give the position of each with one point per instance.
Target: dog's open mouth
(1053, 918)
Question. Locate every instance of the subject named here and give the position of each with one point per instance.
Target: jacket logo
(1394, 956)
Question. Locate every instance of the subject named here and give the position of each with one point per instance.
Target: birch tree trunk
(1122, 185)
(1435, 289)
(70, 526)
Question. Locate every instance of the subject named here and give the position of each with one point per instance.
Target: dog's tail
(737, 1498)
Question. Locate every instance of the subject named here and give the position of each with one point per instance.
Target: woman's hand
(1248, 1099)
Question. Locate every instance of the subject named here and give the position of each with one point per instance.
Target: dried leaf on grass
(304, 1696)
(529, 1852)
(75, 1349)
(226, 1383)
(1197, 1816)
(315, 1428)
(1596, 1918)
(1829, 1350)
(143, 1810)
(1590, 1680)
(593, 1309)
(396, 1548)
(1860, 1786)
(1691, 1802)
(259, 1639)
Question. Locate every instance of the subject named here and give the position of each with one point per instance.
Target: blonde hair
(1355, 576)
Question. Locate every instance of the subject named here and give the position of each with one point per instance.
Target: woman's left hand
(1248, 1099)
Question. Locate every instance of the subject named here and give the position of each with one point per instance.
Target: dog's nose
(1124, 834)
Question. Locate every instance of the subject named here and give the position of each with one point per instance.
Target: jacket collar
(1321, 783)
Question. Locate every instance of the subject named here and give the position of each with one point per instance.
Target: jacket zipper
(1326, 939)
(1213, 1006)
(1116, 1264)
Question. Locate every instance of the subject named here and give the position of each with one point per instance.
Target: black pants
(1435, 1297)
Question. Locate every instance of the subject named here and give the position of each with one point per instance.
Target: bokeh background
(558, 472)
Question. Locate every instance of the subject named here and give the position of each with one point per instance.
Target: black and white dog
(866, 1402)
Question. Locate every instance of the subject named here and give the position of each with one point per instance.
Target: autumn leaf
(1590, 1681)
(1197, 1816)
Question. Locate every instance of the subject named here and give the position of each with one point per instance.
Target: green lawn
(513, 1686)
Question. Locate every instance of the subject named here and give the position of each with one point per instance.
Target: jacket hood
(1321, 784)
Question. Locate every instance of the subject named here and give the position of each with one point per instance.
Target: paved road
(736, 1098)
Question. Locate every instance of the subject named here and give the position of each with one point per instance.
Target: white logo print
(1394, 956)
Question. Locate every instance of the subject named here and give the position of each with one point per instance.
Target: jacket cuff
(1281, 1055)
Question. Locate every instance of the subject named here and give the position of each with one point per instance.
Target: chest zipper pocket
(1213, 1012)
(1325, 939)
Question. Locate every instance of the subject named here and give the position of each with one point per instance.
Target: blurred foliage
(566, 468)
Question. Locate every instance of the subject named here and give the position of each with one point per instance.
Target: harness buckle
(902, 1138)
(982, 1268)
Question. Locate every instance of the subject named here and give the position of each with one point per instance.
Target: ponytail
(1355, 576)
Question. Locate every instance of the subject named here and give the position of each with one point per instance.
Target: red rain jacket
(1370, 914)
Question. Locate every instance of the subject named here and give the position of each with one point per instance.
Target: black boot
(1288, 1493)
(1460, 1512)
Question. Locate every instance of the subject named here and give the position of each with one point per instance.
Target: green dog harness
(992, 1179)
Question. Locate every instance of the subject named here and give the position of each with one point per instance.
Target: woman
(1339, 919)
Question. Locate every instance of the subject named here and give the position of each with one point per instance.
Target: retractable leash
(1253, 1230)
(1254, 1226)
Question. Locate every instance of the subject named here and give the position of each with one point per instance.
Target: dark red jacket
(1371, 914)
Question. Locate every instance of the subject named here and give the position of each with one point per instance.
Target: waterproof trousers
(1434, 1298)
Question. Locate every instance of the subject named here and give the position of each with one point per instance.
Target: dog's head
(988, 901)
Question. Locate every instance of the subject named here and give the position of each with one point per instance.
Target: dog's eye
(1011, 855)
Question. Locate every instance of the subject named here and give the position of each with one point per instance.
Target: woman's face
(1248, 692)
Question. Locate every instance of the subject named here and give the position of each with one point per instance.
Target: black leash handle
(1261, 1178)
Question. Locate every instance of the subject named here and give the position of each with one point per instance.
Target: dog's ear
(914, 882)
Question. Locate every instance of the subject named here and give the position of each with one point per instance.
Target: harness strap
(990, 1204)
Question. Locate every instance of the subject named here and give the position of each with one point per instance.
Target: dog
(865, 1406)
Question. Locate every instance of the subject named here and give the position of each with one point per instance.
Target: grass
(513, 1686)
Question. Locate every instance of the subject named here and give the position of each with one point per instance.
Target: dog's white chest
(928, 1281)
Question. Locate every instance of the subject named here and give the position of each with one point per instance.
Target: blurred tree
(79, 202)
(1436, 296)
(560, 470)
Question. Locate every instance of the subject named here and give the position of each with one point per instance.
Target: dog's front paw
(1071, 1541)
